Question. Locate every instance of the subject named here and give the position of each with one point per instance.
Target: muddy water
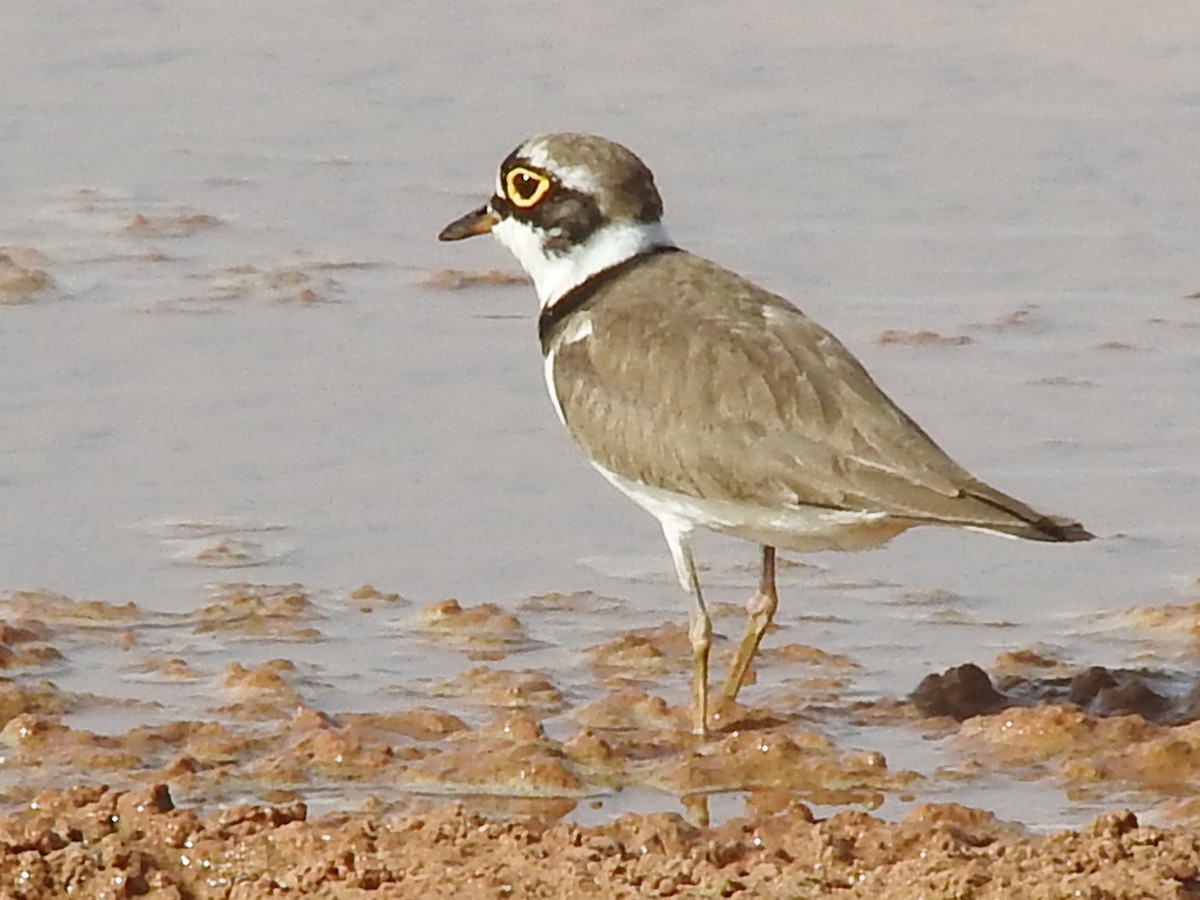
(224, 360)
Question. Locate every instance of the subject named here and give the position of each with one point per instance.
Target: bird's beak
(477, 221)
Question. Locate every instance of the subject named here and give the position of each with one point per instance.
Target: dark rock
(961, 692)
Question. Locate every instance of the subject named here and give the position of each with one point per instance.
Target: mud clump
(485, 631)
(21, 646)
(259, 610)
(458, 279)
(1100, 691)
(921, 338)
(20, 280)
(960, 693)
(966, 691)
(178, 225)
(641, 654)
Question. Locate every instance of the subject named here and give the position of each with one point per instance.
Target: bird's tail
(1016, 519)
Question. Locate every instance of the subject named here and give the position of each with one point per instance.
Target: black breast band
(551, 321)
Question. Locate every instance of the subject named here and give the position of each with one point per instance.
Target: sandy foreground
(219, 807)
(93, 842)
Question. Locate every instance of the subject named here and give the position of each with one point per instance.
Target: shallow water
(237, 374)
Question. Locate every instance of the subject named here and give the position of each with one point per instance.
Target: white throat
(555, 274)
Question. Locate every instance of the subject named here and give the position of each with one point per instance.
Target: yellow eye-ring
(525, 187)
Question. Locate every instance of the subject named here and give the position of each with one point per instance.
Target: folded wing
(722, 390)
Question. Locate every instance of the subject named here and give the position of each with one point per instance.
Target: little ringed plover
(709, 401)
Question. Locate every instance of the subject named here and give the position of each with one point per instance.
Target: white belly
(799, 528)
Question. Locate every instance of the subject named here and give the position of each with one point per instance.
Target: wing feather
(695, 380)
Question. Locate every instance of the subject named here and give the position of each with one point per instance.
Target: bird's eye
(525, 187)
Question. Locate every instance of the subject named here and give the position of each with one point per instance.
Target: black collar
(552, 318)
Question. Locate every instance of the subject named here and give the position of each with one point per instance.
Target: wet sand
(421, 801)
(107, 844)
(243, 383)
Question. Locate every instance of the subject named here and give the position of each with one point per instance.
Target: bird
(709, 401)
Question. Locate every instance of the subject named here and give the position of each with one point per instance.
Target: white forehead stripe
(535, 152)
(577, 178)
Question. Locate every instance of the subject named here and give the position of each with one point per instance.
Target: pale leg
(760, 609)
(699, 623)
